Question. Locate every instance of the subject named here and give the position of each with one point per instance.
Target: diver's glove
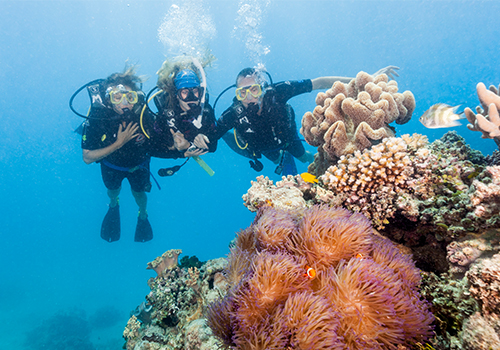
(256, 165)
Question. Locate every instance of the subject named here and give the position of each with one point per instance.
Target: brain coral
(349, 117)
(332, 284)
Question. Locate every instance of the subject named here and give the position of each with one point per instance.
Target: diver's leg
(111, 228)
(140, 184)
(142, 201)
(113, 197)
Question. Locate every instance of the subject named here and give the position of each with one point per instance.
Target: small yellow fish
(441, 115)
(309, 178)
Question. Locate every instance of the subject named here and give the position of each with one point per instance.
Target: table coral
(363, 295)
(351, 117)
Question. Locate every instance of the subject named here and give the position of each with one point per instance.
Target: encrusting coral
(486, 197)
(351, 117)
(317, 279)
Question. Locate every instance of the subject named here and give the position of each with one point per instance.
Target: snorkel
(203, 85)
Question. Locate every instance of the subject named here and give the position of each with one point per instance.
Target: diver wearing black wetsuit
(266, 127)
(183, 121)
(114, 136)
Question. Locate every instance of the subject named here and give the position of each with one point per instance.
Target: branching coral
(350, 117)
(372, 179)
(356, 299)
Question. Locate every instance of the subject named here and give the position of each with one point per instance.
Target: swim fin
(110, 228)
(143, 230)
(287, 165)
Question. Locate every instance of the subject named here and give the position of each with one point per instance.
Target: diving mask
(255, 90)
(119, 94)
(192, 94)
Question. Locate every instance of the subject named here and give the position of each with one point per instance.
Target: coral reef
(165, 262)
(177, 298)
(363, 293)
(263, 192)
(486, 197)
(452, 305)
(427, 184)
(484, 278)
(487, 124)
(461, 254)
(352, 117)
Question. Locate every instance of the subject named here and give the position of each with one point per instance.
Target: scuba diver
(183, 107)
(263, 121)
(113, 136)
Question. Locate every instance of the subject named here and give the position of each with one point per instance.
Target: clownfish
(359, 256)
(309, 178)
(310, 273)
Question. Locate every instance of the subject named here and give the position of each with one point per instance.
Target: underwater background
(56, 270)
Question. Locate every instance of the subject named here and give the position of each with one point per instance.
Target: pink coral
(488, 125)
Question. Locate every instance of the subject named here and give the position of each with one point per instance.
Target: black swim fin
(143, 230)
(110, 228)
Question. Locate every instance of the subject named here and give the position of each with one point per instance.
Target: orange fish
(359, 256)
(310, 273)
(309, 178)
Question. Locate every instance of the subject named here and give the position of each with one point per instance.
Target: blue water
(52, 203)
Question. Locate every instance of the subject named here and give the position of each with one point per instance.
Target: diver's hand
(390, 71)
(179, 141)
(126, 133)
(201, 141)
(195, 152)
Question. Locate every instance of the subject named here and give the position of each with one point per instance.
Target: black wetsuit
(274, 130)
(178, 120)
(132, 160)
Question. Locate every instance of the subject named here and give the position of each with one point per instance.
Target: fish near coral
(441, 115)
(309, 178)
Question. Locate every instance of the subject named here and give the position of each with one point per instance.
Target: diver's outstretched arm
(327, 82)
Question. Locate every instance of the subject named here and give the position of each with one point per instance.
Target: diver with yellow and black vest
(112, 137)
(183, 108)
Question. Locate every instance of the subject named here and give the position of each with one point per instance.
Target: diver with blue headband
(183, 108)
